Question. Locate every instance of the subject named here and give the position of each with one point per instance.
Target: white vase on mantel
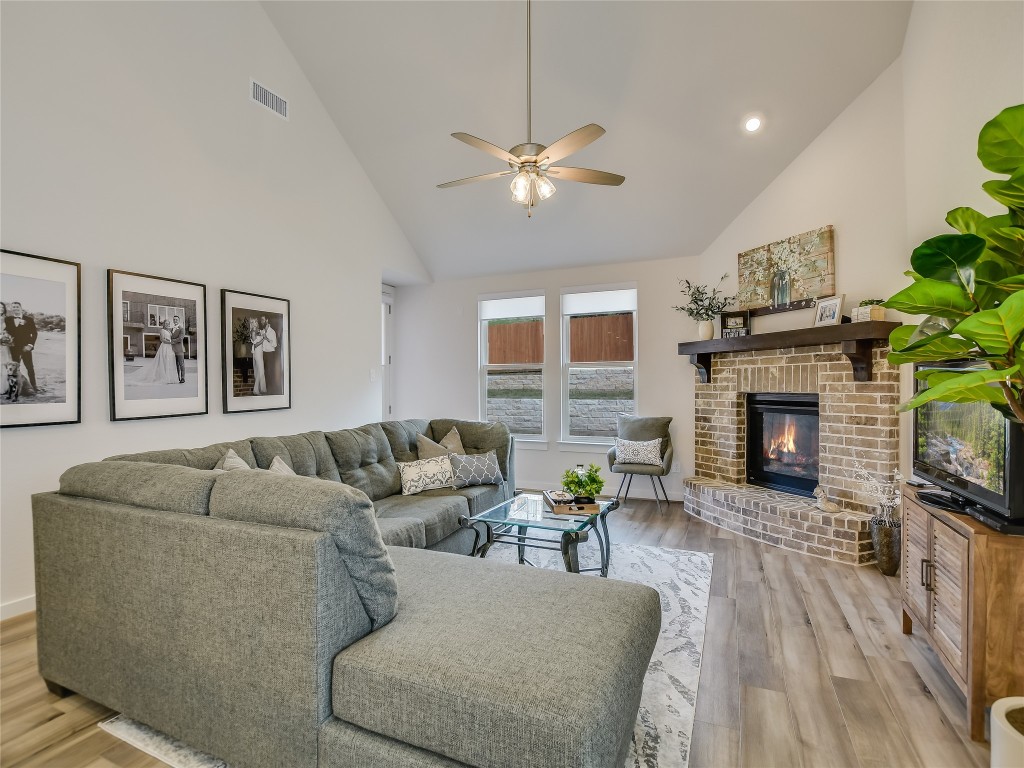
(705, 330)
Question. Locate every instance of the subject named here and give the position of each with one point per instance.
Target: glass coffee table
(513, 522)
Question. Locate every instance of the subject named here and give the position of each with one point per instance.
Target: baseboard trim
(17, 607)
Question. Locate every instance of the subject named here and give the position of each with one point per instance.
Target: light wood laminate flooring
(804, 665)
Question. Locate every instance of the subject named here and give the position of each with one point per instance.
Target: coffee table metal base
(568, 542)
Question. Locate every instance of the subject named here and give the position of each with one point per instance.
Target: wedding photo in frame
(157, 346)
(256, 369)
(40, 340)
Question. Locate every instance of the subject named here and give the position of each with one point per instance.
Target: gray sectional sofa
(325, 619)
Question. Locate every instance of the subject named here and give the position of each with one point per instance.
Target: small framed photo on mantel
(256, 336)
(735, 324)
(157, 346)
(829, 311)
(40, 340)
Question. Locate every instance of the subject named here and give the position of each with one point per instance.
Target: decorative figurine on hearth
(821, 501)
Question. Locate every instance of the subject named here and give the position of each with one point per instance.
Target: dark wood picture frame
(259, 305)
(120, 409)
(735, 324)
(71, 413)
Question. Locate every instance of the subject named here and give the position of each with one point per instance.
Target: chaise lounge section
(278, 621)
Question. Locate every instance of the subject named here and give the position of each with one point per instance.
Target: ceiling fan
(532, 163)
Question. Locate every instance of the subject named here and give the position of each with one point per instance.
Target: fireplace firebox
(782, 442)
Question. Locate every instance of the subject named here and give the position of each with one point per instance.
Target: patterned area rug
(159, 745)
(664, 724)
(665, 721)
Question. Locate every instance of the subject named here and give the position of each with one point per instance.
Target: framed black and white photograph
(735, 324)
(256, 339)
(40, 340)
(829, 311)
(157, 346)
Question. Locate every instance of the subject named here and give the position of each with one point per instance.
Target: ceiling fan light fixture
(520, 187)
(545, 188)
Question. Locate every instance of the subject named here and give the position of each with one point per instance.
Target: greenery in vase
(589, 483)
(871, 302)
(241, 332)
(704, 303)
(970, 289)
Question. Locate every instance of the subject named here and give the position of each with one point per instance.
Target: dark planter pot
(582, 499)
(886, 540)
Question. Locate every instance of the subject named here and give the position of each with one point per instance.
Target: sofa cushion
(402, 437)
(197, 458)
(440, 514)
(402, 531)
(308, 454)
(464, 684)
(168, 487)
(318, 505)
(479, 498)
(365, 461)
(478, 437)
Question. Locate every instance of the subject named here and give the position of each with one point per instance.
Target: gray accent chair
(640, 428)
(270, 621)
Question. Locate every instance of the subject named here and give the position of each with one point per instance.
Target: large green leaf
(1001, 141)
(932, 297)
(950, 258)
(941, 346)
(997, 331)
(986, 392)
(1007, 243)
(967, 221)
(1009, 192)
(970, 385)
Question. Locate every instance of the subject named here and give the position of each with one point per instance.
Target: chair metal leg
(657, 498)
(619, 492)
(628, 486)
(662, 484)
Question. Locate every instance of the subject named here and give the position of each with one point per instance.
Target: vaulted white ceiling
(669, 81)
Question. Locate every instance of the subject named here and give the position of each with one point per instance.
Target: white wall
(129, 142)
(850, 176)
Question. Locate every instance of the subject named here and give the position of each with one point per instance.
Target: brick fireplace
(857, 393)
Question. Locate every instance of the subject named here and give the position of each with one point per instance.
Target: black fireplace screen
(782, 442)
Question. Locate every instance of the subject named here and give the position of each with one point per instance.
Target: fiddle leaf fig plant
(970, 289)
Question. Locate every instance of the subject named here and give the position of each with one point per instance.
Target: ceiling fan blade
(572, 142)
(586, 175)
(471, 179)
(487, 147)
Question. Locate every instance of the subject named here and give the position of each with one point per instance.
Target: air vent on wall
(268, 99)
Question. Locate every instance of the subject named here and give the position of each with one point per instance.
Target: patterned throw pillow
(425, 474)
(638, 451)
(477, 469)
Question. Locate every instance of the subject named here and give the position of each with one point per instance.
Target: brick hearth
(857, 421)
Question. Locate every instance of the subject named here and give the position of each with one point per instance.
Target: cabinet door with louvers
(950, 593)
(915, 558)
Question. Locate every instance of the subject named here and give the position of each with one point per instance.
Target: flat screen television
(974, 453)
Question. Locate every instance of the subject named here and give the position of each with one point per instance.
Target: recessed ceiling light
(752, 124)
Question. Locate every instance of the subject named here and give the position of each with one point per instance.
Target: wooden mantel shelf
(857, 340)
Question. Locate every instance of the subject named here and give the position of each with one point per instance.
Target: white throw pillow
(231, 462)
(278, 466)
(424, 474)
(638, 451)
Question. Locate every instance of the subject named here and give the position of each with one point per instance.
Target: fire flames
(784, 442)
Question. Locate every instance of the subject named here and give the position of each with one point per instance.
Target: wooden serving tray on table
(570, 509)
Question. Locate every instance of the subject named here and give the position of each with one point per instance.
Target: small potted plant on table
(584, 485)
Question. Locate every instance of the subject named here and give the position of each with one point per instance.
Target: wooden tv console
(962, 583)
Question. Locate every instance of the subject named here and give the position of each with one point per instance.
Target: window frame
(564, 429)
(483, 367)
